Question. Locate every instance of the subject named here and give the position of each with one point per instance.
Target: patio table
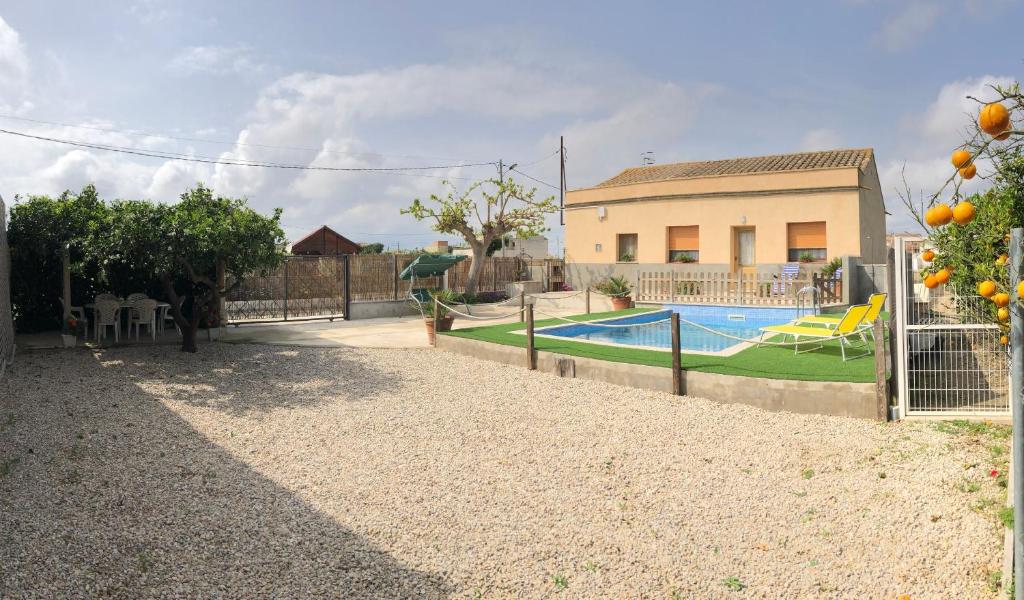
(160, 308)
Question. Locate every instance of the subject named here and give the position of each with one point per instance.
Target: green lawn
(825, 364)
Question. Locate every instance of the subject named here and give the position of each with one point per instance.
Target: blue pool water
(740, 321)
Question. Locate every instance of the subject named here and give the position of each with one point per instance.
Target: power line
(242, 162)
(540, 160)
(530, 177)
(220, 142)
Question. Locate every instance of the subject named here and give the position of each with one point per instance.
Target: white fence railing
(717, 287)
(6, 319)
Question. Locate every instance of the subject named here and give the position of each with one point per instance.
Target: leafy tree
(971, 238)
(186, 246)
(484, 212)
(496, 245)
(39, 229)
(374, 248)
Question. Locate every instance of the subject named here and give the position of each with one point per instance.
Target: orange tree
(970, 236)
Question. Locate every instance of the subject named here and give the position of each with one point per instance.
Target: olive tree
(484, 212)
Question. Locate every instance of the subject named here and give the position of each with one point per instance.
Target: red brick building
(325, 242)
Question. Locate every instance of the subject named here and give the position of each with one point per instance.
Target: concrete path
(385, 332)
(388, 332)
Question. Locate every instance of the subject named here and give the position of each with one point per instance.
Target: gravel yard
(249, 471)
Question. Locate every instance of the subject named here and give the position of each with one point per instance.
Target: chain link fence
(6, 319)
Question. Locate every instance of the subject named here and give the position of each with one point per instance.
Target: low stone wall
(384, 308)
(809, 397)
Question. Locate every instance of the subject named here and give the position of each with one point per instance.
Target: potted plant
(69, 332)
(618, 289)
(830, 268)
(806, 257)
(444, 319)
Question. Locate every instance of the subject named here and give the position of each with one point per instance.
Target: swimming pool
(739, 321)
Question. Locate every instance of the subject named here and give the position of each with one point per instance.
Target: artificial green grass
(772, 362)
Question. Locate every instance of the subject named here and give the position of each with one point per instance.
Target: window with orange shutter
(684, 244)
(806, 241)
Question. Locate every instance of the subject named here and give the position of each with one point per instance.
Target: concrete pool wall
(837, 398)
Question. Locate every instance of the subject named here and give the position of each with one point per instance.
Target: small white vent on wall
(597, 247)
(602, 212)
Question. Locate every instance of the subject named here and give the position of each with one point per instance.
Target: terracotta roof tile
(801, 161)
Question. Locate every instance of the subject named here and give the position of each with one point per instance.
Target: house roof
(776, 163)
(320, 230)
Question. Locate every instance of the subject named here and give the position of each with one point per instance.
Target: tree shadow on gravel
(111, 494)
(240, 379)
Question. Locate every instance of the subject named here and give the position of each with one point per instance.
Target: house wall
(717, 217)
(872, 217)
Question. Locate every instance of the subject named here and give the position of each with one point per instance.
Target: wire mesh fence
(952, 360)
(6, 319)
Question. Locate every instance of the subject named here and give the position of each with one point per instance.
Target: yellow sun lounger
(851, 323)
(876, 302)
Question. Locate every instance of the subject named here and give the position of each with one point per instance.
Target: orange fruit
(943, 214)
(969, 171)
(1020, 290)
(930, 281)
(963, 213)
(942, 276)
(1003, 314)
(961, 158)
(994, 118)
(927, 256)
(987, 288)
(1001, 299)
(1001, 261)
(1004, 340)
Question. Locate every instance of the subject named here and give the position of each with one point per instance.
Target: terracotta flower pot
(443, 324)
(621, 302)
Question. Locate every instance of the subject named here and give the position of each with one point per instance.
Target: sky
(453, 84)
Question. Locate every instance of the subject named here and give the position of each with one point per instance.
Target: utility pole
(561, 180)
(501, 180)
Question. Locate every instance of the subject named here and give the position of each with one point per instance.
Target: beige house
(742, 214)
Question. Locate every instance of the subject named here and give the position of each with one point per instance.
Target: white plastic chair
(136, 297)
(107, 314)
(143, 313)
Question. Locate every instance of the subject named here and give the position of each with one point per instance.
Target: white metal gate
(949, 361)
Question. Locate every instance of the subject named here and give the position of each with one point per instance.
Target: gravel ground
(256, 471)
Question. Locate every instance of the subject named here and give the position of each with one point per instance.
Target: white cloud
(820, 139)
(216, 60)
(904, 29)
(927, 137)
(14, 71)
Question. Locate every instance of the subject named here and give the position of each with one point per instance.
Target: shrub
(614, 286)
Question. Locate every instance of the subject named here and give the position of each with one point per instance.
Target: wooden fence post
(677, 367)
(881, 381)
(588, 300)
(522, 304)
(531, 358)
